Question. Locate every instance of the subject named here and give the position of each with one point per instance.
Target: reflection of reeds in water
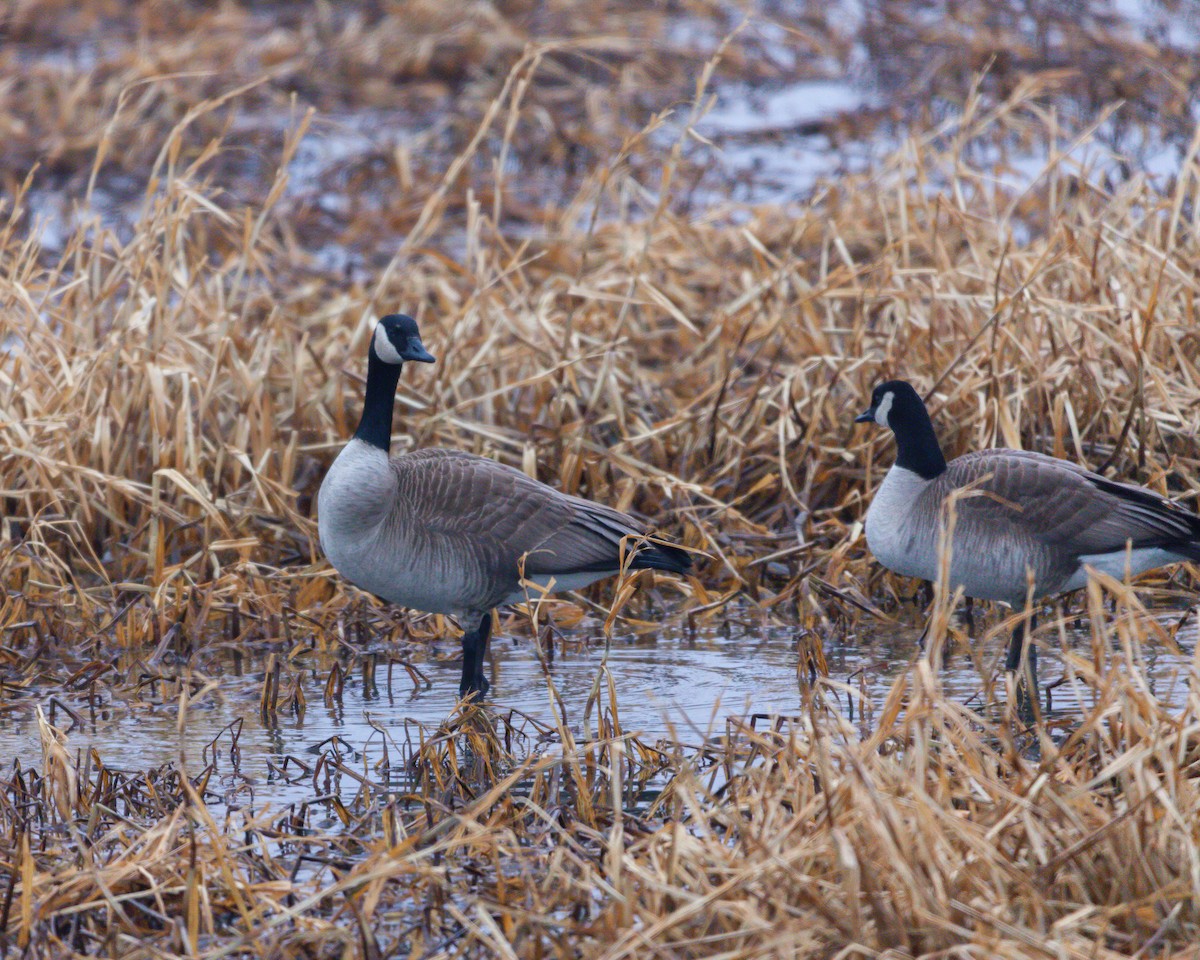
(175, 378)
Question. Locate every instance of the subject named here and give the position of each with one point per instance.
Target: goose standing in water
(1018, 516)
(444, 531)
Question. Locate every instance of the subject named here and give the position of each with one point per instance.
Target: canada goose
(444, 531)
(1019, 516)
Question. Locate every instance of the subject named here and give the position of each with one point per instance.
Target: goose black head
(397, 339)
(894, 404)
(897, 405)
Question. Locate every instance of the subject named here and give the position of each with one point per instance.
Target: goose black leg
(945, 647)
(1026, 682)
(475, 644)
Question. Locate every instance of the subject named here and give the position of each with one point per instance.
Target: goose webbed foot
(476, 688)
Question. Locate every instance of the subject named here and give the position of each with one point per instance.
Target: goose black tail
(1186, 549)
(662, 556)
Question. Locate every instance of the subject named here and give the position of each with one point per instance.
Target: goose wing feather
(1057, 503)
(479, 505)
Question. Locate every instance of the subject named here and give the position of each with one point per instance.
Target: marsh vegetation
(663, 256)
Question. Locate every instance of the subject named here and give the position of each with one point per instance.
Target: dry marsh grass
(180, 357)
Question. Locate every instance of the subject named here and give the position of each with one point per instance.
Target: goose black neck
(917, 447)
(375, 427)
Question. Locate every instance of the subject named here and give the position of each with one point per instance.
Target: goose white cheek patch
(383, 347)
(884, 408)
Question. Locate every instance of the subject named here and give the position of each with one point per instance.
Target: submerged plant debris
(662, 254)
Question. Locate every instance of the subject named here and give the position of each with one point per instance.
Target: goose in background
(445, 532)
(1019, 516)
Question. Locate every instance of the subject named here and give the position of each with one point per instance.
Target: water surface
(671, 687)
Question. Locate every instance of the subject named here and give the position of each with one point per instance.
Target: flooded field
(674, 691)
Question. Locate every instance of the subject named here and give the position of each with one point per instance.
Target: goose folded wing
(1055, 503)
(495, 508)
(1145, 518)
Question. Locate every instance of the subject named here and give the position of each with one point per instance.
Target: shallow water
(669, 687)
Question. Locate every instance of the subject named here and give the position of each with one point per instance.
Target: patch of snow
(742, 110)
(1175, 25)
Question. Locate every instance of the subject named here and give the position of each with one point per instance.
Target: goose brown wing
(1056, 503)
(480, 505)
